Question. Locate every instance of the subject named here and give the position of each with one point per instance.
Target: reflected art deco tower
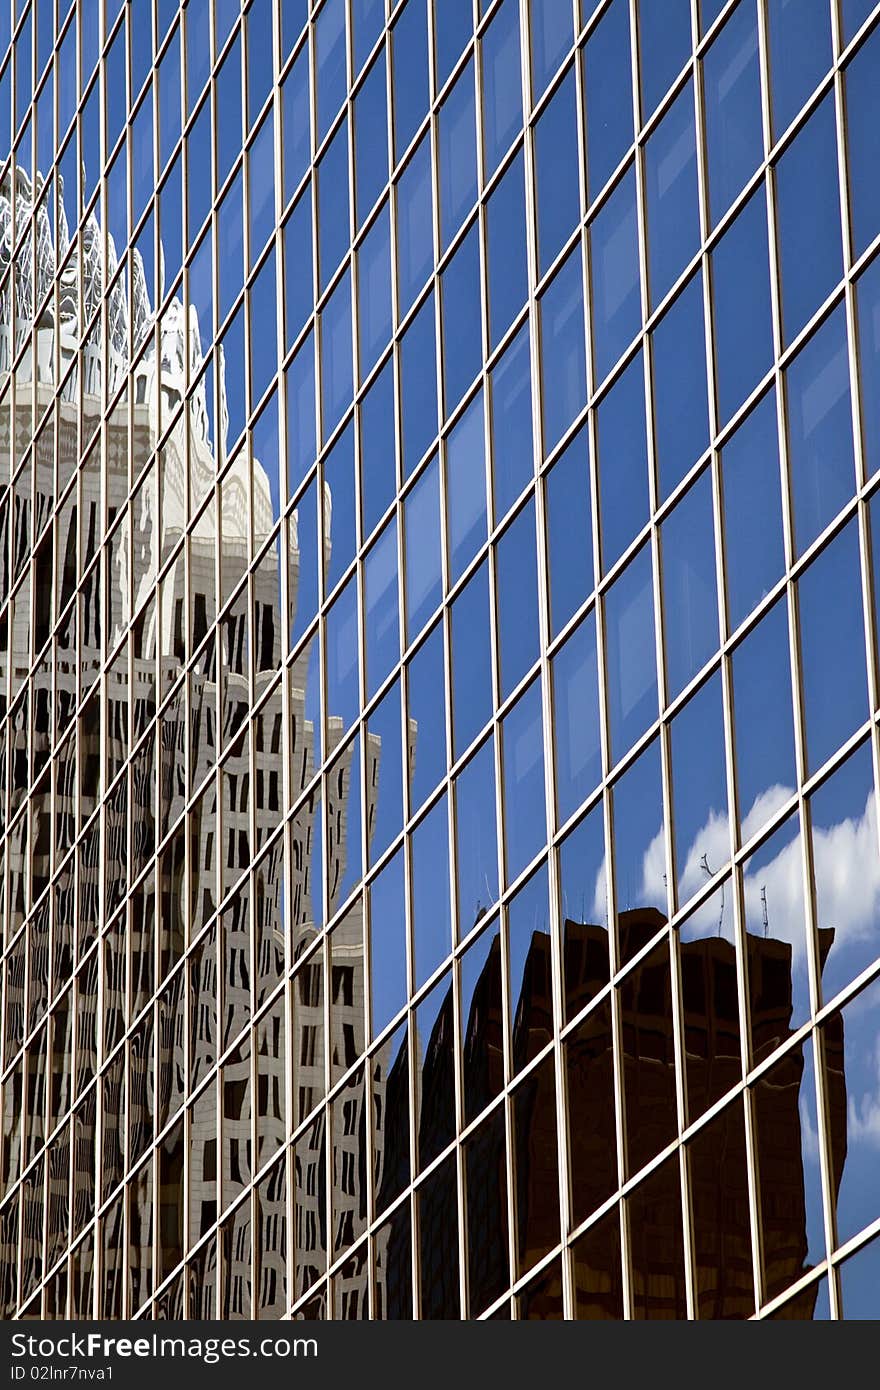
(439, 853)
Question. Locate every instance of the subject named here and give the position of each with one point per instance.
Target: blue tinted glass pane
(516, 578)
(614, 266)
(765, 762)
(330, 63)
(228, 100)
(681, 407)
(333, 230)
(664, 45)
(380, 608)
(378, 477)
(709, 12)
(576, 712)
(868, 301)
(343, 698)
(336, 365)
(367, 19)
(297, 138)
(699, 790)
(301, 414)
(859, 1280)
(854, 13)
(385, 795)
(631, 655)
(556, 163)
(294, 14)
(230, 245)
(690, 596)
(743, 323)
(512, 461)
(263, 307)
(623, 463)
(457, 150)
(471, 661)
(303, 585)
(370, 142)
(430, 884)
(199, 165)
(800, 52)
(462, 323)
(671, 179)
(525, 825)
(374, 292)
(754, 552)
(340, 526)
(388, 942)
(506, 237)
(418, 386)
(820, 447)
(607, 74)
(415, 237)
(637, 835)
(563, 351)
(409, 47)
(477, 846)
(453, 26)
(863, 121)
(569, 531)
(732, 94)
(261, 191)
(808, 209)
(833, 639)
(298, 267)
(551, 40)
(502, 84)
(427, 722)
(466, 488)
(423, 572)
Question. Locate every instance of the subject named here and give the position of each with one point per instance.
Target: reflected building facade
(439, 877)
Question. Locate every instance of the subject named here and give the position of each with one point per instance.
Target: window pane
(462, 325)
(681, 412)
(732, 93)
(763, 720)
(466, 488)
(471, 661)
(453, 26)
(631, 654)
(457, 149)
(690, 598)
(863, 118)
(333, 229)
(551, 40)
(868, 308)
(409, 48)
(432, 932)
(556, 162)
(512, 458)
(664, 45)
(639, 852)
(415, 236)
(671, 190)
(374, 292)
(525, 827)
(418, 386)
(743, 324)
(378, 473)
(423, 576)
(754, 553)
(563, 353)
(810, 251)
(506, 249)
(330, 63)
(800, 52)
(569, 531)
(380, 604)
(576, 714)
(477, 848)
(336, 364)
(623, 463)
(427, 722)
(820, 447)
(516, 578)
(614, 265)
(607, 74)
(370, 139)
(832, 639)
(502, 84)
(699, 790)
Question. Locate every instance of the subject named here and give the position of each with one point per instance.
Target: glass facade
(439, 743)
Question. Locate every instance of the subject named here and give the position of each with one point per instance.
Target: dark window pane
(516, 579)
(462, 325)
(409, 48)
(863, 118)
(423, 573)
(333, 229)
(427, 724)
(631, 658)
(453, 26)
(374, 292)
(690, 598)
(525, 825)
(576, 714)
(432, 930)
(418, 386)
(477, 847)
(754, 555)
(623, 463)
(569, 531)
(415, 236)
(471, 661)
(378, 474)
(833, 639)
(563, 351)
(466, 487)
(370, 139)
(506, 251)
(868, 303)
(512, 458)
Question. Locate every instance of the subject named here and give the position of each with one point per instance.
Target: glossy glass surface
(438, 644)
